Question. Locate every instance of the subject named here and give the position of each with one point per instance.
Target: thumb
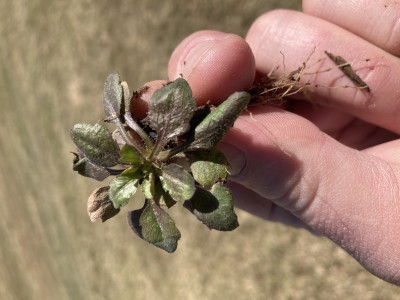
(347, 195)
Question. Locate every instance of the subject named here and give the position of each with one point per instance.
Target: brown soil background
(54, 58)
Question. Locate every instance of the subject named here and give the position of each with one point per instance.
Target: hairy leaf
(154, 225)
(213, 128)
(127, 99)
(214, 208)
(208, 166)
(116, 102)
(99, 205)
(200, 113)
(170, 110)
(126, 94)
(124, 186)
(118, 138)
(163, 197)
(112, 98)
(148, 189)
(152, 189)
(88, 169)
(96, 143)
(177, 182)
(130, 156)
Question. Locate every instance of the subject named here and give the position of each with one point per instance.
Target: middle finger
(297, 35)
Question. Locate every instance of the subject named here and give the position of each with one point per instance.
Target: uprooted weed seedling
(171, 156)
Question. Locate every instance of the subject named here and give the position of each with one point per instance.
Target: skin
(333, 165)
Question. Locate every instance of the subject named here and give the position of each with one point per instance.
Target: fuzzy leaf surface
(112, 98)
(208, 166)
(177, 182)
(124, 186)
(126, 94)
(128, 155)
(88, 169)
(99, 205)
(213, 128)
(154, 225)
(171, 109)
(214, 208)
(116, 102)
(96, 143)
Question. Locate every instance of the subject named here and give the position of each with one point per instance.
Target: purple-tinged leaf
(112, 98)
(213, 128)
(170, 111)
(214, 208)
(177, 182)
(155, 226)
(88, 169)
(96, 143)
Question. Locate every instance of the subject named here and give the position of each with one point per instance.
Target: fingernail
(235, 156)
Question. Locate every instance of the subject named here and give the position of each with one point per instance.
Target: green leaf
(130, 156)
(124, 186)
(170, 110)
(99, 205)
(200, 113)
(148, 189)
(177, 182)
(112, 98)
(213, 128)
(208, 166)
(154, 225)
(96, 143)
(162, 196)
(214, 208)
(152, 189)
(88, 169)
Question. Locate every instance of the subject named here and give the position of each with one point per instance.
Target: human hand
(332, 166)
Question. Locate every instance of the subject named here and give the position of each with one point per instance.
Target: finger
(253, 203)
(376, 21)
(349, 196)
(215, 64)
(139, 104)
(298, 36)
(388, 151)
(343, 127)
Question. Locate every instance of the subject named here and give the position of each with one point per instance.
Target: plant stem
(156, 148)
(167, 154)
(139, 130)
(128, 139)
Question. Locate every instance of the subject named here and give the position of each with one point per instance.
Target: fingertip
(215, 64)
(274, 33)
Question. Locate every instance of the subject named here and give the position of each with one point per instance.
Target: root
(274, 90)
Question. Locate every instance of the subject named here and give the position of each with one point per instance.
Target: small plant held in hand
(171, 156)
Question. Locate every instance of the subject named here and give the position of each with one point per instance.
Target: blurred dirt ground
(54, 57)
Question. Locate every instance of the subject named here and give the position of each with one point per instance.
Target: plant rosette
(171, 156)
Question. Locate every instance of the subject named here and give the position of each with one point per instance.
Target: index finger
(215, 64)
